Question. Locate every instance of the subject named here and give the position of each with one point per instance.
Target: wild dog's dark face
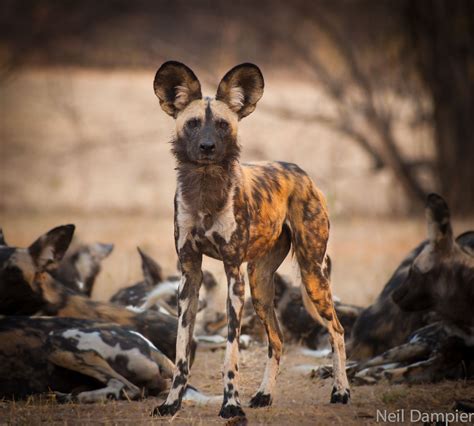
(19, 269)
(206, 128)
(443, 270)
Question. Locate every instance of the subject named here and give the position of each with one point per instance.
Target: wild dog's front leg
(235, 301)
(187, 308)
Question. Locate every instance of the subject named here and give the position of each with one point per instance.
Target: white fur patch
(225, 224)
(199, 398)
(184, 220)
(236, 98)
(164, 289)
(144, 339)
(182, 97)
(213, 341)
(84, 267)
(114, 387)
(320, 353)
(137, 362)
(425, 260)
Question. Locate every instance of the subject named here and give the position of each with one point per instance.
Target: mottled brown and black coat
(78, 356)
(241, 213)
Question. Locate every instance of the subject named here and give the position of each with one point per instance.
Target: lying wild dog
(383, 324)
(241, 213)
(155, 291)
(169, 290)
(300, 327)
(76, 358)
(135, 295)
(440, 279)
(28, 288)
(81, 266)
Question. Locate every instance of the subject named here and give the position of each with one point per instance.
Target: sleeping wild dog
(135, 295)
(27, 287)
(79, 360)
(67, 355)
(438, 283)
(383, 325)
(241, 213)
(155, 292)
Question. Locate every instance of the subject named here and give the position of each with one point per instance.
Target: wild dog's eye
(193, 123)
(222, 125)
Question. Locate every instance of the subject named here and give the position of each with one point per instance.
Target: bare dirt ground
(299, 399)
(365, 253)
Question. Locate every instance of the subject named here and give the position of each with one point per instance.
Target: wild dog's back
(271, 189)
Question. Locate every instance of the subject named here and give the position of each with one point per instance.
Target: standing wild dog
(241, 213)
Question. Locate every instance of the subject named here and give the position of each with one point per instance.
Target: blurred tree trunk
(443, 36)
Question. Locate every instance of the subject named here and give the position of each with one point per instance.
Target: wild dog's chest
(208, 233)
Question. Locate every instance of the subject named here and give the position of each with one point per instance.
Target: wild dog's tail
(309, 221)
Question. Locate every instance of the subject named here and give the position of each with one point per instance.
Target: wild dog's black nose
(207, 147)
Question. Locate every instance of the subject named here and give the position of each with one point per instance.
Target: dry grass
(298, 399)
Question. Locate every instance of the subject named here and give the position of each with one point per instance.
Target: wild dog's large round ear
(241, 88)
(176, 86)
(48, 250)
(440, 232)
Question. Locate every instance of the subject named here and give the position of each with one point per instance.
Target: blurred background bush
(374, 98)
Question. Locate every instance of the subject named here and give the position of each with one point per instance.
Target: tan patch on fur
(236, 98)
(22, 259)
(197, 109)
(221, 110)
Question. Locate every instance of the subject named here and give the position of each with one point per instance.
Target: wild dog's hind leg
(319, 304)
(92, 364)
(310, 231)
(188, 294)
(261, 273)
(235, 301)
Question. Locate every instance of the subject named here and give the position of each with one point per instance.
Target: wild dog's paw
(229, 410)
(261, 400)
(341, 396)
(166, 409)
